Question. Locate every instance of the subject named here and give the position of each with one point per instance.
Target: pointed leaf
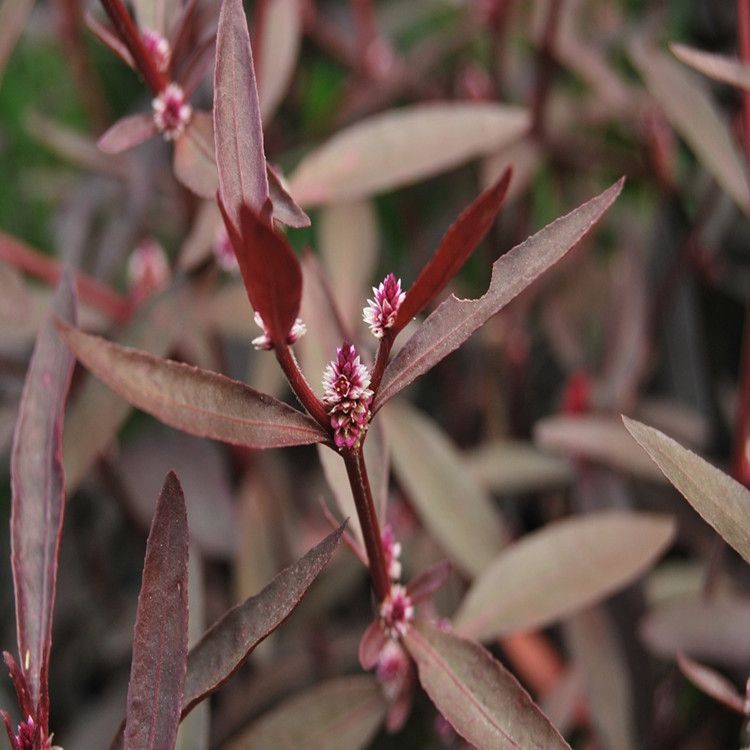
(562, 568)
(285, 208)
(160, 638)
(127, 133)
(695, 117)
(711, 630)
(338, 714)
(197, 401)
(238, 131)
(402, 146)
(38, 494)
(719, 67)
(281, 32)
(719, 499)
(270, 270)
(223, 649)
(482, 700)
(194, 162)
(595, 437)
(711, 683)
(449, 501)
(455, 320)
(458, 243)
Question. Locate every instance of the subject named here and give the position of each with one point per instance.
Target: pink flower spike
(264, 342)
(172, 113)
(396, 612)
(347, 394)
(381, 312)
(158, 48)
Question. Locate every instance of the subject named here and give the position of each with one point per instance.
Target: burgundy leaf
(194, 163)
(455, 320)
(197, 401)
(224, 648)
(38, 483)
(482, 700)
(127, 133)
(458, 243)
(238, 131)
(285, 209)
(711, 683)
(160, 639)
(270, 270)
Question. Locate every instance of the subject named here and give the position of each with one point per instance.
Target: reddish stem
(131, 37)
(91, 291)
(301, 387)
(545, 69)
(368, 520)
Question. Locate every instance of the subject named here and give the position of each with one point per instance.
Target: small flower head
(224, 252)
(158, 48)
(381, 312)
(172, 113)
(264, 340)
(392, 550)
(346, 392)
(397, 612)
(148, 268)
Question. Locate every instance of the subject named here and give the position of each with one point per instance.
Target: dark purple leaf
(127, 133)
(455, 320)
(228, 643)
(224, 648)
(483, 702)
(711, 683)
(160, 639)
(38, 483)
(194, 163)
(238, 131)
(197, 401)
(270, 270)
(458, 243)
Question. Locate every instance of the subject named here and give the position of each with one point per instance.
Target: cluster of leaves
(553, 507)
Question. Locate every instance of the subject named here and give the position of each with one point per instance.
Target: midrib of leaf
(460, 685)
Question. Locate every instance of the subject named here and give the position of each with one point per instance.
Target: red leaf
(197, 401)
(127, 133)
(238, 131)
(160, 640)
(458, 243)
(224, 648)
(270, 270)
(454, 321)
(38, 496)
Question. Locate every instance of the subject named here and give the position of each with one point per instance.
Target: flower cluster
(158, 48)
(172, 112)
(264, 340)
(396, 612)
(347, 395)
(381, 312)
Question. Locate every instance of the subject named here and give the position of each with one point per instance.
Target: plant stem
(545, 69)
(131, 37)
(368, 520)
(301, 387)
